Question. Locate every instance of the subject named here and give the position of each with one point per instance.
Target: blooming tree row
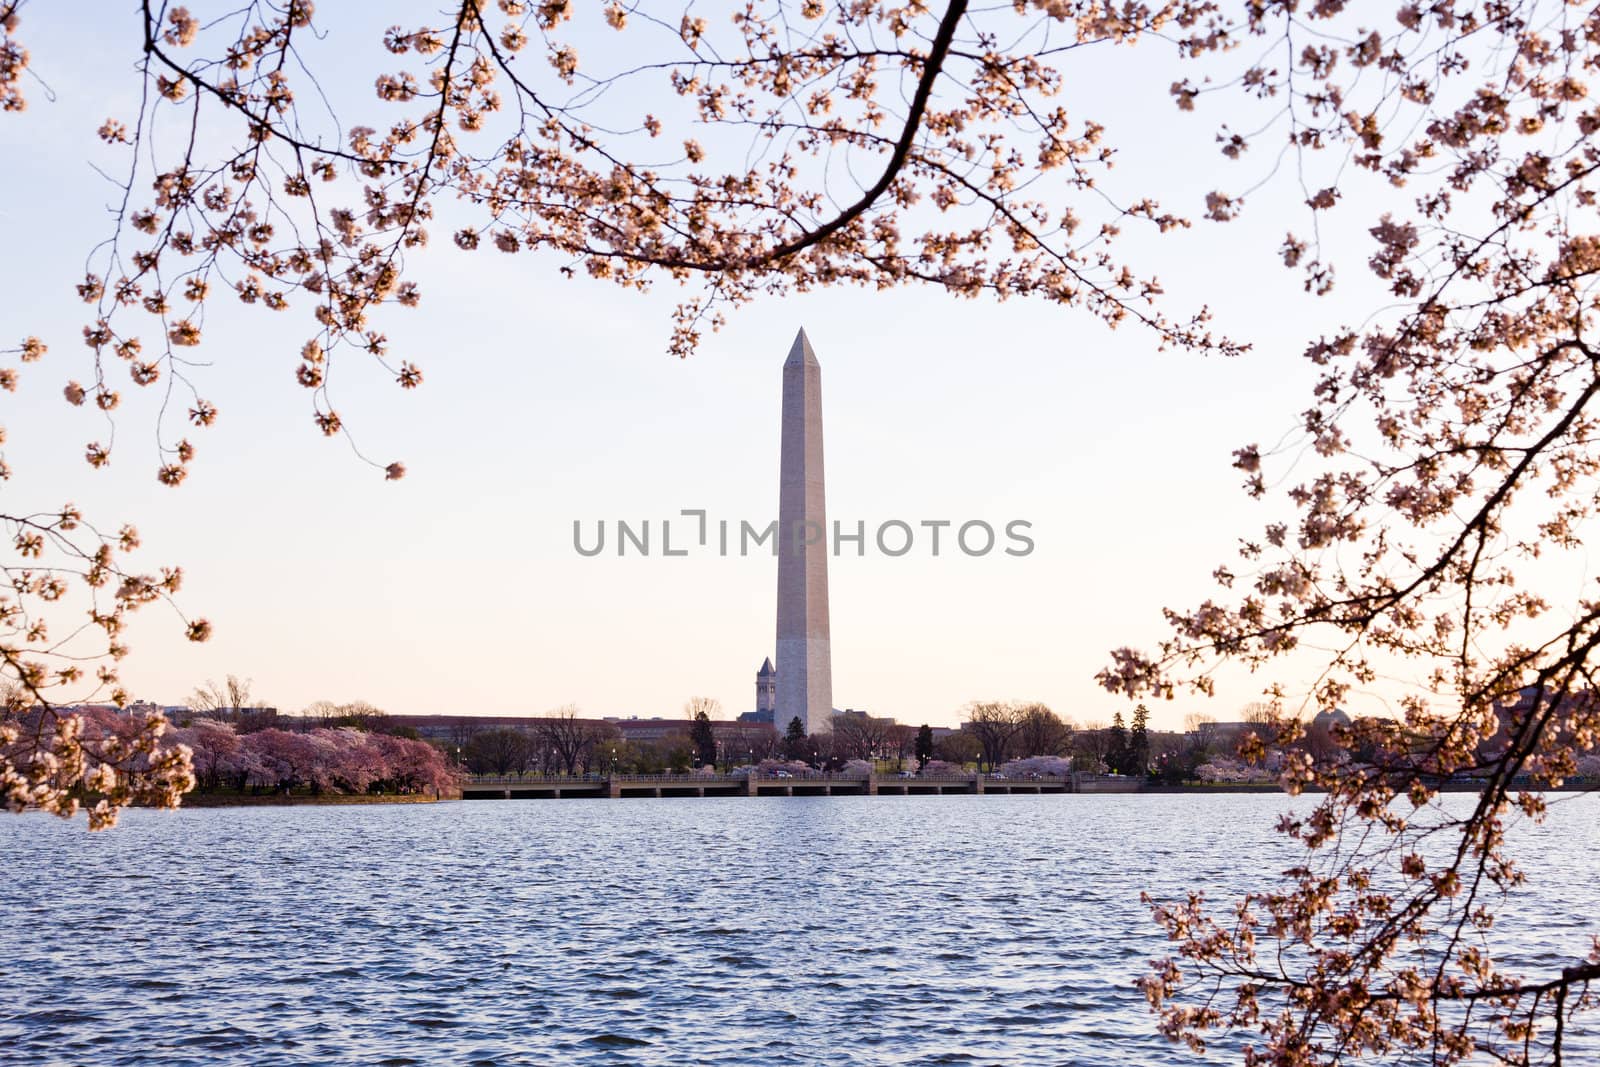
(320, 760)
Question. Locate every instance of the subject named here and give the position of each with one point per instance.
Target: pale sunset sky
(458, 590)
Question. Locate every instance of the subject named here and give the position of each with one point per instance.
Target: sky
(550, 401)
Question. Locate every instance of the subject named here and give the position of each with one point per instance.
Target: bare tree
(1260, 713)
(322, 712)
(1041, 732)
(994, 726)
(752, 742)
(573, 741)
(901, 742)
(362, 715)
(858, 736)
(1203, 728)
(602, 741)
(711, 707)
(1090, 746)
(498, 751)
(224, 701)
(565, 735)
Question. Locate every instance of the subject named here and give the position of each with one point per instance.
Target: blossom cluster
(53, 761)
(972, 175)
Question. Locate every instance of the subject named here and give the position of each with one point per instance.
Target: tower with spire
(805, 666)
(766, 691)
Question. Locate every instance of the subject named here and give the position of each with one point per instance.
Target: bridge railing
(532, 777)
(792, 776)
(657, 779)
(694, 779)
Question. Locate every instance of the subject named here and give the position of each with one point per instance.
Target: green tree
(677, 753)
(703, 739)
(1117, 755)
(924, 747)
(1176, 766)
(1139, 742)
(796, 745)
(645, 757)
(960, 748)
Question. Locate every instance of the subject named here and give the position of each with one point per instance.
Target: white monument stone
(805, 666)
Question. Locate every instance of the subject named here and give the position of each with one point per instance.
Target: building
(458, 729)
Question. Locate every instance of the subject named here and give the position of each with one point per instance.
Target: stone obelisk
(805, 667)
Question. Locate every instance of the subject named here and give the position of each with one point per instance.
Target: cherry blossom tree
(214, 749)
(411, 766)
(1446, 456)
(321, 760)
(1228, 769)
(51, 762)
(770, 767)
(1049, 766)
(938, 768)
(284, 760)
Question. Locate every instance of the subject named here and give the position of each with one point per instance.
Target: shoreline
(278, 800)
(237, 800)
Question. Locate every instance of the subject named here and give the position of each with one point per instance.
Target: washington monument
(805, 668)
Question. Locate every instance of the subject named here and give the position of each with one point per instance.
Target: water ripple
(845, 930)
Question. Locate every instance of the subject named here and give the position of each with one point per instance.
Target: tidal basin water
(844, 930)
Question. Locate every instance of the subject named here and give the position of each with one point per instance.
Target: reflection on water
(845, 930)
